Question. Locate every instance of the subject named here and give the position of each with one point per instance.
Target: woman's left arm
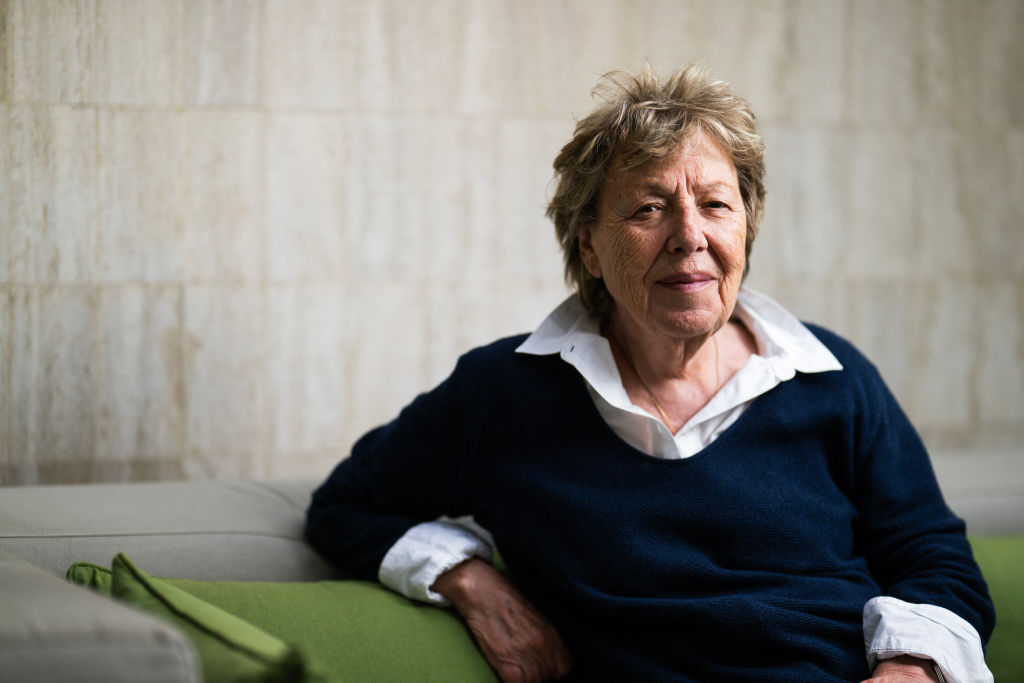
(935, 602)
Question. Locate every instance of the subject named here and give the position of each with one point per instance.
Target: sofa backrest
(226, 530)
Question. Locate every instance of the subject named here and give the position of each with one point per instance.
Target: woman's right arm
(514, 637)
(407, 472)
(399, 479)
(517, 640)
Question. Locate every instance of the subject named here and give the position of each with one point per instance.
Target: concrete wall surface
(236, 234)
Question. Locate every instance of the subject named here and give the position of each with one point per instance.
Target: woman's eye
(715, 204)
(648, 208)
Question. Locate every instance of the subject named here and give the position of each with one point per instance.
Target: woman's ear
(587, 253)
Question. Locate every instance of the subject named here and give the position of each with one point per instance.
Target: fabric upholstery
(51, 630)
(1002, 562)
(230, 649)
(234, 530)
(347, 630)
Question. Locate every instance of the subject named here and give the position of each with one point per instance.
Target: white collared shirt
(784, 347)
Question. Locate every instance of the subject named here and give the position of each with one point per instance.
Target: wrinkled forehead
(696, 154)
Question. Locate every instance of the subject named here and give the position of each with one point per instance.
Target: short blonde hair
(641, 117)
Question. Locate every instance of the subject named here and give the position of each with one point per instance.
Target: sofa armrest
(51, 630)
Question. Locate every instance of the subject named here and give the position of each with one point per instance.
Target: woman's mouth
(687, 282)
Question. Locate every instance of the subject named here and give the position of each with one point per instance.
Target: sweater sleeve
(916, 548)
(399, 475)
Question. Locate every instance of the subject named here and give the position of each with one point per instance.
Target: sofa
(213, 580)
(270, 608)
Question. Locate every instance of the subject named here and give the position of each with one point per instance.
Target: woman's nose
(687, 231)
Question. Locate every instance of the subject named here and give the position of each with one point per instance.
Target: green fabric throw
(348, 630)
(230, 649)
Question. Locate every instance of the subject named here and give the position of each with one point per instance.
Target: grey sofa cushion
(52, 631)
(226, 530)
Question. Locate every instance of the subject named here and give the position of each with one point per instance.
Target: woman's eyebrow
(651, 186)
(715, 185)
(661, 188)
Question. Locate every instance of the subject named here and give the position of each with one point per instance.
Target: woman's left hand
(902, 669)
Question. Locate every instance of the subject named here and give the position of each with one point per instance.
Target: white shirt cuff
(893, 627)
(428, 550)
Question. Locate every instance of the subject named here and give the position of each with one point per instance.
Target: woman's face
(669, 241)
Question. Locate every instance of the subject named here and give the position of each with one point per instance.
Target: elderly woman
(684, 481)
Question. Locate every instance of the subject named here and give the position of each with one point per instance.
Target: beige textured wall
(236, 234)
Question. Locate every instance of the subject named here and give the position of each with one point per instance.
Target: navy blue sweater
(749, 561)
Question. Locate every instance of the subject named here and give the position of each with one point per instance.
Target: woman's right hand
(517, 641)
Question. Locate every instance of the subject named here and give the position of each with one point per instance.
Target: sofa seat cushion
(347, 630)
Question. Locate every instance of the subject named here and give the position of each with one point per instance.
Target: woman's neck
(674, 378)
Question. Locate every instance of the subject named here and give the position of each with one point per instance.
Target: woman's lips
(687, 282)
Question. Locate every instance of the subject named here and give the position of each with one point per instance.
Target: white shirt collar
(575, 335)
(785, 347)
(780, 336)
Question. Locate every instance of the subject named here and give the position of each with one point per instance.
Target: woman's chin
(690, 324)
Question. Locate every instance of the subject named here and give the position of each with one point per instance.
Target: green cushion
(350, 630)
(1002, 562)
(230, 649)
